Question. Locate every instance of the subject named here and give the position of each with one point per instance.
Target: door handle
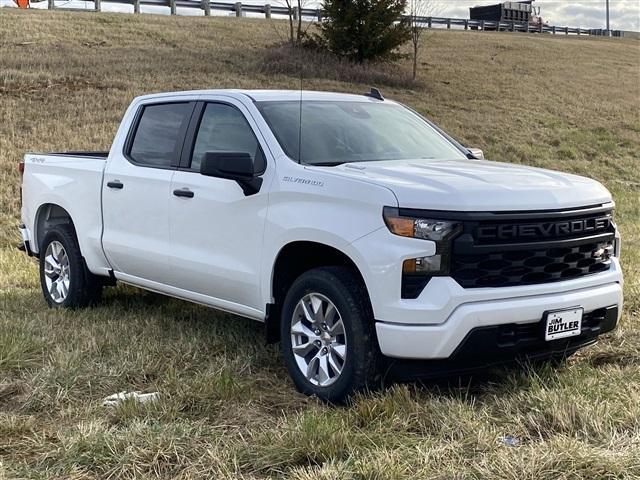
(183, 192)
(115, 184)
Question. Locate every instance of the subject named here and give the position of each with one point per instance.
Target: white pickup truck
(366, 238)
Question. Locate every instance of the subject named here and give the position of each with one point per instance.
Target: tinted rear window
(158, 136)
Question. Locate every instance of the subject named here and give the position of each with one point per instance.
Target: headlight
(425, 228)
(416, 272)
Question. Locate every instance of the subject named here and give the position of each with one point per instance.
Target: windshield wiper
(324, 164)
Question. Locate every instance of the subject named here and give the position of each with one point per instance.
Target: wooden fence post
(172, 6)
(50, 5)
(448, 23)
(206, 6)
(319, 15)
(482, 25)
(97, 5)
(553, 29)
(466, 24)
(578, 31)
(238, 9)
(267, 11)
(566, 30)
(296, 13)
(136, 6)
(428, 22)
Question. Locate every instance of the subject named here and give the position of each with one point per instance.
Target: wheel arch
(47, 216)
(292, 260)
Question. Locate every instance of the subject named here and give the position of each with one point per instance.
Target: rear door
(137, 189)
(217, 230)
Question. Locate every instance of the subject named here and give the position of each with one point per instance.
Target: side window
(159, 135)
(223, 128)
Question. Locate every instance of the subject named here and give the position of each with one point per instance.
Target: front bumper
(441, 341)
(502, 345)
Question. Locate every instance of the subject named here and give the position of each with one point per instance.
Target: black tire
(84, 288)
(362, 365)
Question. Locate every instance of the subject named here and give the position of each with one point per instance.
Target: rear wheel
(328, 336)
(64, 278)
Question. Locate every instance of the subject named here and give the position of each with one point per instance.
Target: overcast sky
(625, 14)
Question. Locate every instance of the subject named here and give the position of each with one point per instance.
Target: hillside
(228, 409)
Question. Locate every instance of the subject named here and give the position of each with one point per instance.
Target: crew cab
(363, 236)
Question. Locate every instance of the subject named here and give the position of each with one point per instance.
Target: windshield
(335, 132)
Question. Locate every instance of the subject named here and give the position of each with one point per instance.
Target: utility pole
(608, 29)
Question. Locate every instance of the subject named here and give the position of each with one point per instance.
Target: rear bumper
(26, 240)
(442, 341)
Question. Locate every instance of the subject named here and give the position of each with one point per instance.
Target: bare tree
(299, 30)
(417, 10)
(296, 32)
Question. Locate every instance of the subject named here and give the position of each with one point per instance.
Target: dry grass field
(228, 409)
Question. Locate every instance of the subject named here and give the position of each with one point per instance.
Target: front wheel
(66, 282)
(328, 336)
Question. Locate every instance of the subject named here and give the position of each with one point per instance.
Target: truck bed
(73, 182)
(100, 155)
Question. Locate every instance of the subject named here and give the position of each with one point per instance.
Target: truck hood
(477, 185)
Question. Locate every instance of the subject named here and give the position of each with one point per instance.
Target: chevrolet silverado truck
(359, 232)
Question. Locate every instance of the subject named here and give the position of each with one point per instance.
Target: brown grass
(228, 409)
(308, 64)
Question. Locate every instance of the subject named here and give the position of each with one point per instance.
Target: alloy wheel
(56, 271)
(318, 339)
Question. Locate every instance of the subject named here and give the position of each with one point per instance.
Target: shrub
(361, 30)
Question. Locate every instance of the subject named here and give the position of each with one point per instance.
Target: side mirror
(236, 166)
(476, 153)
(230, 165)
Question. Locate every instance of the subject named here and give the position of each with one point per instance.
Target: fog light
(424, 265)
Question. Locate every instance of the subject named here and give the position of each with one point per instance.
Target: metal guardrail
(526, 27)
(316, 14)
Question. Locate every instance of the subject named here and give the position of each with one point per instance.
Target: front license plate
(563, 323)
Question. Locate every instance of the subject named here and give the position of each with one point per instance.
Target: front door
(217, 230)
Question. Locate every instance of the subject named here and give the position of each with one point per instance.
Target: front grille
(531, 266)
(525, 248)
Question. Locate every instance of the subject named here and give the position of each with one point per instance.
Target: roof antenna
(300, 115)
(374, 93)
(300, 60)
